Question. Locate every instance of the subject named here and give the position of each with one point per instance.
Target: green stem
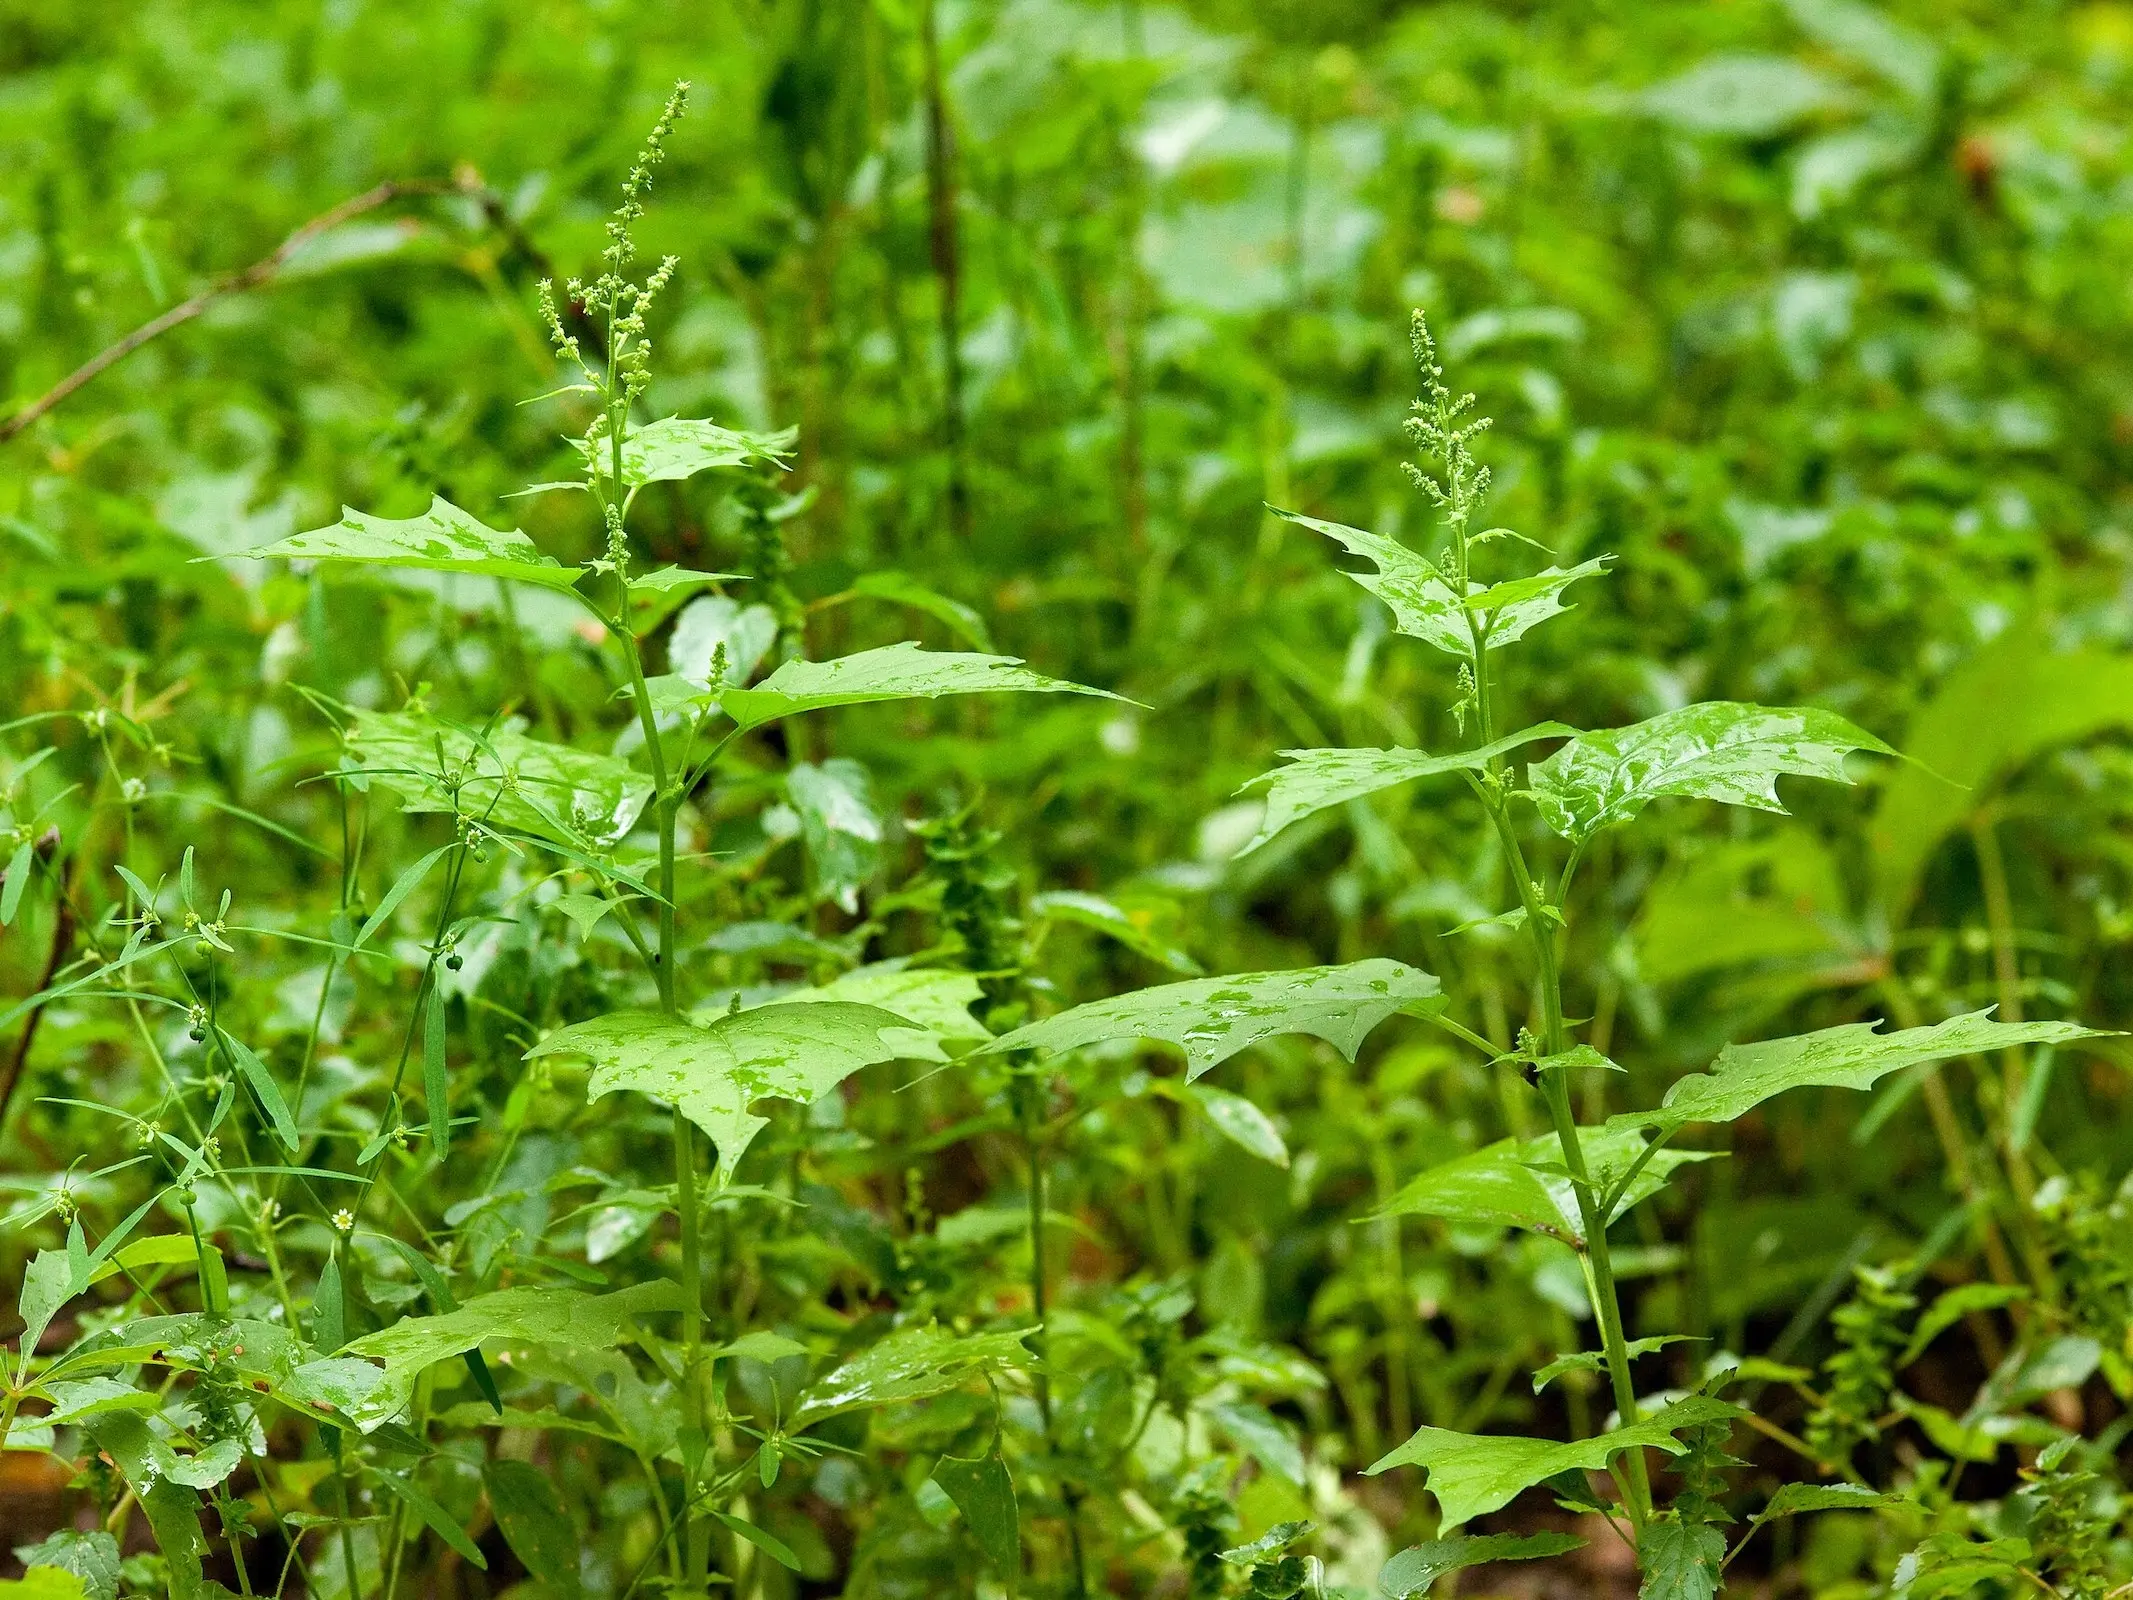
(1032, 1110)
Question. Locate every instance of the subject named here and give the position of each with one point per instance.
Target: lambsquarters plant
(1574, 1184)
(179, 1402)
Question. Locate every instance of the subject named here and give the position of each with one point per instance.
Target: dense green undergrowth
(588, 1025)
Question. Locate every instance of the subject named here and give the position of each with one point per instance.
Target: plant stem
(1032, 1111)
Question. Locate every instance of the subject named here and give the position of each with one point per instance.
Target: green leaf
(984, 1492)
(1742, 96)
(911, 1364)
(443, 539)
(402, 887)
(936, 1001)
(1132, 927)
(47, 1284)
(900, 588)
(680, 447)
(746, 632)
(173, 1511)
(1211, 1019)
(1242, 1122)
(93, 1558)
(761, 1345)
(716, 1071)
(839, 824)
(1412, 1571)
(1473, 1474)
(159, 1250)
(525, 1315)
(894, 672)
(506, 778)
(1594, 1361)
(1270, 1543)
(436, 1080)
(1523, 1184)
(49, 1583)
(1424, 604)
(775, 1548)
(434, 1516)
(530, 1515)
(1851, 1056)
(18, 879)
(1260, 1433)
(264, 1088)
(1680, 1560)
(1316, 779)
(1716, 750)
(1794, 1498)
(1951, 1307)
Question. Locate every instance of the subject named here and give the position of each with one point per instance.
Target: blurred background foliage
(1814, 315)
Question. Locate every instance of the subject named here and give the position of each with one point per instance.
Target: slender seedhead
(1458, 482)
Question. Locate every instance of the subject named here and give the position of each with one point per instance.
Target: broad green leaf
(1523, 1184)
(1412, 1571)
(1742, 96)
(1243, 1123)
(1424, 604)
(264, 1357)
(1851, 1056)
(1133, 926)
(680, 447)
(715, 1072)
(506, 778)
(900, 588)
(936, 1001)
(525, 1315)
(1716, 750)
(93, 1558)
(1795, 1498)
(53, 1583)
(717, 621)
(173, 1511)
(1474, 1474)
(443, 539)
(47, 1284)
(984, 1492)
(1950, 1566)
(1316, 779)
(530, 1515)
(911, 1364)
(90, 1397)
(840, 826)
(1679, 1560)
(1594, 1361)
(1951, 1306)
(434, 1516)
(1211, 1019)
(894, 672)
(1260, 1434)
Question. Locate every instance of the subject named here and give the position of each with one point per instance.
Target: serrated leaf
(173, 1511)
(911, 1364)
(1316, 779)
(680, 447)
(985, 1493)
(1412, 1571)
(1242, 1123)
(1523, 1184)
(443, 539)
(936, 1001)
(527, 1315)
(1794, 1498)
(93, 1558)
(1211, 1019)
(1270, 1543)
(1424, 604)
(1132, 927)
(894, 672)
(507, 778)
(530, 1515)
(1679, 1560)
(1473, 1474)
(715, 1072)
(47, 1284)
(1851, 1056)
(1715, 750)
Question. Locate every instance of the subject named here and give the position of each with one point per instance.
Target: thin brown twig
(466, 181)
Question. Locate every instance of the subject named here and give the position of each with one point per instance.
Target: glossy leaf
(680, 447)
(443, 539)
(1133, 926)
(91, 1558)
(716, 621)
(840, 825)
(911, 1364)
(1242, 1123)
(1716, 750)
(505, 778)
(1523, 1184)
(526, 1315)
(1474, 1474)
(900, 588)
(984, 1492)
(1316, 779)
(1412, 1571)
(894, 672)
(1854, 1055)
(716, 1071)
(1680, 1560)
(1211, 1019)
(936, 1001)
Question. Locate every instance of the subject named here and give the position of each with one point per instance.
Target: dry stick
(264, 271)
(947, 265)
